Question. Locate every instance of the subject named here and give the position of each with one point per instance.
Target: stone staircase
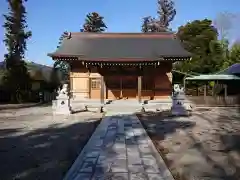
(158, 105)
(128, 105)
(132, 105)
(87, 105)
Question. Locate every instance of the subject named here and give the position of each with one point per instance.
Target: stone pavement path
(119, 149)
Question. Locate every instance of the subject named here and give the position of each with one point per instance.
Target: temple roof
(121, 47)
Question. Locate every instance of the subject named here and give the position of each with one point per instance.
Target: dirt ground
(205, 145)
(34, 144)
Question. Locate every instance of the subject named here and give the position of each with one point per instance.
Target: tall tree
(166, 13)
(200, 38)
(17, 78)
(94, 23)
(62, 66)
(145, 25)
(224, 22)
(234, 54)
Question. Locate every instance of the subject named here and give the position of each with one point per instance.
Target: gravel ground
(205, 145)
(34, 144)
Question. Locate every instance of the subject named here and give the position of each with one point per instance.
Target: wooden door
(95, 88)
(113, 87)
(129, 87)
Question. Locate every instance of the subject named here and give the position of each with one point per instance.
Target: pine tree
(166, 12)
(17, 78)
(145, 25)
(62, 66)
(94, 23)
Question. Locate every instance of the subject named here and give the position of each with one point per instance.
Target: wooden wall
(163, 81)
(81, 79)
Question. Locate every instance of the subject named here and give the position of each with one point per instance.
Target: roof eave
(108, 59)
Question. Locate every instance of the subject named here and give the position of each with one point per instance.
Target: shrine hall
(121, 65)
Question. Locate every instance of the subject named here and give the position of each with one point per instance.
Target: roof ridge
(123, 33)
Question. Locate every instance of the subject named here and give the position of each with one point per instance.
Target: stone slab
(119, 149)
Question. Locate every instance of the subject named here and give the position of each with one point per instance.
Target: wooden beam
(102, 90)
(139, 88)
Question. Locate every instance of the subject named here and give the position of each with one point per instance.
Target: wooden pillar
(89, 83)
(102, 90)
(121, 87)
(70, 80)
(139, 88)
(184, 82)
(213, 88)
(225, 91)
(205, 91)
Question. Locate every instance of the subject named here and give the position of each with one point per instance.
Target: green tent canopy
(214, 77)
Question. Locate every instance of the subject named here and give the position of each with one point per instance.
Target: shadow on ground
(49, 153)
(157, 125)
(44, 153)
(218, 151)
(22, 106)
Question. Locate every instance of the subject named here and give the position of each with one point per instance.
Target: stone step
(159, 101)
(124, 109)
(157, 107)
(89, 101)
(123, 105)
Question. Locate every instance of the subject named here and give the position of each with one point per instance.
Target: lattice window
(95, 83)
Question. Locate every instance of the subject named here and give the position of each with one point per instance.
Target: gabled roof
(121, 46)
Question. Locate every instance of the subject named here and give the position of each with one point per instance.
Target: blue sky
(47, 19)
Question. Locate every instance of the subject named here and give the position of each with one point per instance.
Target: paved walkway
(119, 149)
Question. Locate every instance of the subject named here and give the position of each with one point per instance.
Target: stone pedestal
(61, 106)
(178, 109)
(179, 105)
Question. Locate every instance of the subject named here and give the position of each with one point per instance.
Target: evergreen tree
(62, 66)
(145, 25)
(234, 54)
(17, 78)
(200, 38)
(94, 23)
(166, 12)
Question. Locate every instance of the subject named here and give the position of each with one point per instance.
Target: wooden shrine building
(121, 65)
